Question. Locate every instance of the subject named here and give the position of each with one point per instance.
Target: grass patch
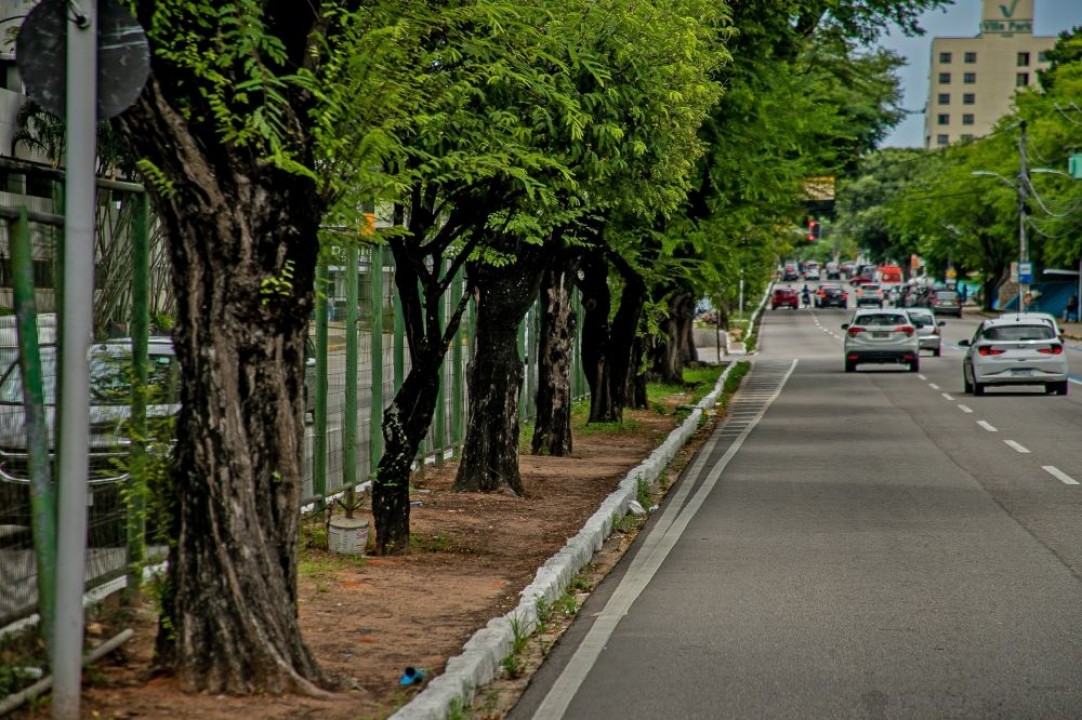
(437, 542)
(323, 566)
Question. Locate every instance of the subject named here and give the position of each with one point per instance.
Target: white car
(881, 336)
(1041, 316)
(1015, 351)
(927, 329)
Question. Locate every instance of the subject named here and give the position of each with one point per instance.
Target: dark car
(831, 296)
(945, 302)
(784, 297)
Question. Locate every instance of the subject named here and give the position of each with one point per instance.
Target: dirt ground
(366, 619)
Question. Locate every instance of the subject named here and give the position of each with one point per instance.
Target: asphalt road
(868, 545)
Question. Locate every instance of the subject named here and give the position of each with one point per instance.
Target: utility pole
(1023, 248)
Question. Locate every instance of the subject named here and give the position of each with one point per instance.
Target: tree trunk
(608, 348)
(490, 451)
(242, 241)
(552, 427)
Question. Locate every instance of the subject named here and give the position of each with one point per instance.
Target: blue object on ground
(412, 676)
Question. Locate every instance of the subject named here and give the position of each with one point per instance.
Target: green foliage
(279, 286)
(642, 493)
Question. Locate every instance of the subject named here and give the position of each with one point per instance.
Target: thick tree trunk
(608, 348)
(242, 240)
(676, 327)
(552, 427)
(490, 450)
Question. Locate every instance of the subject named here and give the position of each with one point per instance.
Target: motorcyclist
(805, 295)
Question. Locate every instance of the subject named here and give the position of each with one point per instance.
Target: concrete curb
(479, 662)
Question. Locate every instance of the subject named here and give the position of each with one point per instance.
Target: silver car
(1014, 351)
(927, 329)
(881, 336)
(110, 405)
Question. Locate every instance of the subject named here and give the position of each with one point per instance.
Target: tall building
(974, 79)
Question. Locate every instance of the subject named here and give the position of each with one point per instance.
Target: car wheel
(1060, 388)
(978, 388)
(937, 352)
(850, 366)
(967, 387)
(914, 365)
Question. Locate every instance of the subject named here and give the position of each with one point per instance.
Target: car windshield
(1019, 332)
(920, 319)
(110, 378)
(881, 320)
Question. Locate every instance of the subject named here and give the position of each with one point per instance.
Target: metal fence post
(140, 337)
(457, 377)
(439, 438)
(375, 433)
(319, 406)
(349, 426)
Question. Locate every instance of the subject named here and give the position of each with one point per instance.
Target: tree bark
(233, 224)
(608, 348)
(490, 450)
(674, 350)
(552, 427)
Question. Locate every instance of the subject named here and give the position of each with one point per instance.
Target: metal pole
(74, 411)
(42, 488)
(439, 437)
(140, 338)
(1023, 249)
(375, 432)
(319, 404)
(349, 426)
(457, 379)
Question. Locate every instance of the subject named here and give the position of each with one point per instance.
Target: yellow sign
(951, 274)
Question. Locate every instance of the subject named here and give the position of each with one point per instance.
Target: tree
(254, 117)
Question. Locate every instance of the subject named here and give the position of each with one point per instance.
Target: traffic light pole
(1023, 246)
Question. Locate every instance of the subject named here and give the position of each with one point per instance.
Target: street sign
(1025, 272)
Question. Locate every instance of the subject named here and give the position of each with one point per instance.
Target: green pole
(375, 433)
(399, 343)
(457, 377)
(140, 338)
(319, 407)
(42, 488)
(580, 373)
(439, 438)
(349, 426)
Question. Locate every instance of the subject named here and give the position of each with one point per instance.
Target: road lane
(871, 551)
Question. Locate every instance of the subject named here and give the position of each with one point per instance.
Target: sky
(962, 19)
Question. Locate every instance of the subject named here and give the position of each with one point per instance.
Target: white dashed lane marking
(965, 408)
(933, 386)
(1017, 446)
(947, 396)
(987, 425)
(1059, 475)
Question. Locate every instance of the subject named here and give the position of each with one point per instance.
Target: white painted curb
(479, 662)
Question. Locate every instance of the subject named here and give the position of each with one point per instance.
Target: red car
(784, 297)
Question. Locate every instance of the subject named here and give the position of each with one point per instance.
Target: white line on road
(947, 396)
(1059, 475)
(987, 425)
(1020, 448)
(922, 377)
(965, 408)
(933, 386)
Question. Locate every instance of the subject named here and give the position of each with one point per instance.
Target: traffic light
(813, 230)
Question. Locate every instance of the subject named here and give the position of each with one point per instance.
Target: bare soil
(367, 619)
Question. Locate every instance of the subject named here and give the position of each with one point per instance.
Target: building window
(1042, 56)
(945, 58)
(944, 98)
(966, 137)
(1021, 79)
(1023, 59)
(969, 99)
(944, 78)
(942, 140)
(969, 78)
(967, 119)
(943, 119)
(971, 57)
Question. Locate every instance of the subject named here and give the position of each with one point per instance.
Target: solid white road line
(1016, 446)
(965, 408)
(933, 386)
(947, 396)
(1059, 475)
(669, 528)
(987, 425)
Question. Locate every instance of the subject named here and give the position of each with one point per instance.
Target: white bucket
(347, 536)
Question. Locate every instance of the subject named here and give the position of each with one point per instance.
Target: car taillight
(987, 350)
(1051, 350)
(854, 331)
(907, 330)
(935, 331)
